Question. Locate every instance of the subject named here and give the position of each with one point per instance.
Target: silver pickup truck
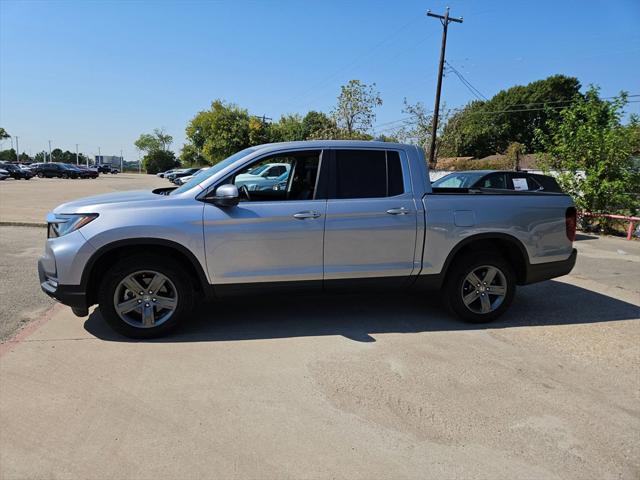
(349, 214)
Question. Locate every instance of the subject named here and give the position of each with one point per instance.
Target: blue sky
(99, 73)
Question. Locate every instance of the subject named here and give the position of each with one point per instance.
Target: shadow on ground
(359, 316)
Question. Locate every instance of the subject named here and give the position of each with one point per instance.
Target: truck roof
(334, 143)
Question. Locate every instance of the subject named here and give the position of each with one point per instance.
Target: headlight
(67, 223)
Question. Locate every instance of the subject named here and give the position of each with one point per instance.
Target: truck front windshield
(213, 170)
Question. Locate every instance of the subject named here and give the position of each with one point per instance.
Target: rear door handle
(398, 211)
(303, 215)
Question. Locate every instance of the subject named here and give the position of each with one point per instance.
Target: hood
(80, 205)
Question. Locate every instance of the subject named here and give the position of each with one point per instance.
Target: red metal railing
(631, 220)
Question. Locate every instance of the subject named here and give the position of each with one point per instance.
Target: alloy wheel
(484, 289)
(145, 299)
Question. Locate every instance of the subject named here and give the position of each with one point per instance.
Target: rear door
(371, 223)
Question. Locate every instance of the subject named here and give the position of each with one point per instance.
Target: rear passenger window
(496, 180)
(368, 174)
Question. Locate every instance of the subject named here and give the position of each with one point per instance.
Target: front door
(275, 233)
(371, 218)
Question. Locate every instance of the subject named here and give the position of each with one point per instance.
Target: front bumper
(546, 271)
(71, 295)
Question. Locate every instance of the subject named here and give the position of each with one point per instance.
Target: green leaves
(512, 115)
(593, 151)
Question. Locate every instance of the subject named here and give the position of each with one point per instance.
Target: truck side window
(286, 176)
(368, 174)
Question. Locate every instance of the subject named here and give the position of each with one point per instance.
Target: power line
(466, 83)
(323, 83)
(408, 120)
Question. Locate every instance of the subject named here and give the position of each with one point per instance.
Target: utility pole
(444, 19)
(77, 160)
(17, 150)
(50, 159)
(121, 170)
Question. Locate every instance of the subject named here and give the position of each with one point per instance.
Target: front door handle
(303, 215)
(398, 211)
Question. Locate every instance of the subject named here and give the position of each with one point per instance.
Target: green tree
(513, 154)
(57, 155)
(4, 134)
(314, 124)
(8, 155)
(354, 113)
(592, 151)
(159, 161)
(483, 128)
(259, 131)
(220, 131)
(159, 140)
(288, 129)
(190, 156)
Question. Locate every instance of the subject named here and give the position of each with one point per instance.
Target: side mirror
(226, 196)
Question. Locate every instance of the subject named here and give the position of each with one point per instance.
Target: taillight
(570, 222)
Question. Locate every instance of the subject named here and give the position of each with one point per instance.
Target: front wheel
(40, 174)
(145, 296)
(480, 287)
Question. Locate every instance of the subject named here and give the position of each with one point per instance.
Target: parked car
(499, 179)
(163, 174)
(183, 180)
(171, 176)
(354, 214)
(17, 172)
(105, 168)
(267, 171)
(54, 169)
(87, 172)
(184, 173)
(3, 174)
(263, 183)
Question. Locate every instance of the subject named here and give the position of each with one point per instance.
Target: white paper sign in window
(520, 184)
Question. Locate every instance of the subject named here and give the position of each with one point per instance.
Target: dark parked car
(59, 170)
(107, 169)
(85, 172)
(15, 171)
(498, 179)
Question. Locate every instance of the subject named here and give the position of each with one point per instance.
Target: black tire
(463, 266)
(168, 267)
(40, 175)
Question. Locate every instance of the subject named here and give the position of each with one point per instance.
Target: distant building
(107, 160)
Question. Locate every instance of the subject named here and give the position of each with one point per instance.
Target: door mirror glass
(226, 196)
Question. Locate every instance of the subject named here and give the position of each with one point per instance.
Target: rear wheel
(145, 297)
(480, 287)
(40, 175)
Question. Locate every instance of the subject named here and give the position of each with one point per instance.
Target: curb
(23, 224)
